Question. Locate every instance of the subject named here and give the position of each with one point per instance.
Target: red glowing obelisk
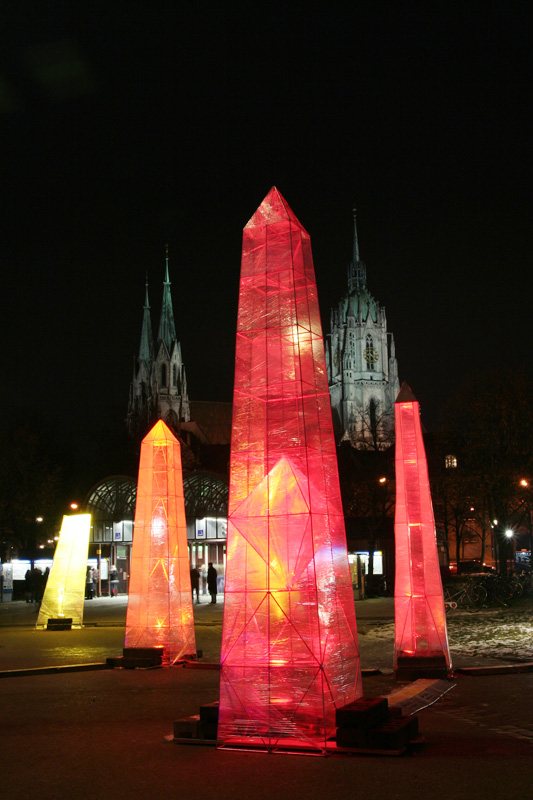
(421, 640)
(160, 610)
(289, 645)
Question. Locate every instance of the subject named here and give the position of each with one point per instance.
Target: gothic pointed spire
(147, 342)
(355, 239)
(356, 268)
(167, 329)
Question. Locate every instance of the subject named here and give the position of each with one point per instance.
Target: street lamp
(525, 485)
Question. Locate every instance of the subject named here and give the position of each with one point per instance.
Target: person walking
(212, 582)
(96, 582)
(89, 587)
(35, 578)
(195, 584)
(28, 586)
(113, 580)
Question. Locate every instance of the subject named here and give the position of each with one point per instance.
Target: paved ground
(104, 734)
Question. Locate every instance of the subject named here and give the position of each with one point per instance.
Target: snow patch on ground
(505, 633)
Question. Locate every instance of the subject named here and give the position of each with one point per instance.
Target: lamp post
(509, 535)
(525, 485)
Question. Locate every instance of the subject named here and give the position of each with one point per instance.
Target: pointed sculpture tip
(274, 208)
(159, 431)
(405, 395)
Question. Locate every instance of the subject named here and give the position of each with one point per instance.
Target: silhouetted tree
(490, 420)
(29, 485)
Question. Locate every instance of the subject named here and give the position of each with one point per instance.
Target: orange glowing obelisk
(290, 653)
(160, 610)
(421, 640)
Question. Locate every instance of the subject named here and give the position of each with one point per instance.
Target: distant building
(361, 364)
(159, 391)
(159, 386)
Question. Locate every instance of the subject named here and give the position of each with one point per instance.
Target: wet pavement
(102, 636)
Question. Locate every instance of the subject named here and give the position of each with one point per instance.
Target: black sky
(129, 125)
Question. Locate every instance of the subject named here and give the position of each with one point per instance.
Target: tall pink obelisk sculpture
(421, 641)
(290, 654)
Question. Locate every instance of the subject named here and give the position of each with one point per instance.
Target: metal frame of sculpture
(290, 652)
(160, 612)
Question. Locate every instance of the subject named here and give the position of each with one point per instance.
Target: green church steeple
(146, 349)
(167, 328)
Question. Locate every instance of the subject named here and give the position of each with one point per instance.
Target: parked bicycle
(499, 589)
(467, 595)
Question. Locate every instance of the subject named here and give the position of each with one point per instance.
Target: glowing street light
(509, 533)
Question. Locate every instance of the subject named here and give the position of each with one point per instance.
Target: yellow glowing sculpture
(160, 601)
(64, 593)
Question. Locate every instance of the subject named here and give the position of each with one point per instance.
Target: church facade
(361, 364)
(159, 386)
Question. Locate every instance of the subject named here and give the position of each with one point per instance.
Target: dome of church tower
(360, 301)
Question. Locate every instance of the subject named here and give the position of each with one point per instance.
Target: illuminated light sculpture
(421, 640)
(289, 653)
(160, 610)
(64, 592)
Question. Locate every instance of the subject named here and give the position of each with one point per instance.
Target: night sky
(129, 125)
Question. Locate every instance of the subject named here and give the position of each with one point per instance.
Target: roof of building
(213, 419)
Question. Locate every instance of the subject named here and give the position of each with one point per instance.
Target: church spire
(167, 329)
(355, 239)
(357, 268)
(146, 347)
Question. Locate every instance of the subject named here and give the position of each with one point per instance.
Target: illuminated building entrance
(112, 505)
(206, 507)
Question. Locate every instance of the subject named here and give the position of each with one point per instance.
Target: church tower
(159, 386)
(361, 364)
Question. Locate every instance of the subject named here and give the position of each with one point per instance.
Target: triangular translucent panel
(240, 609)
(274, 707)
(267, 499)
(160, 434)
(274, 208)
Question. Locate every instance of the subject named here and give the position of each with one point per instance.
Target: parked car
(470, 567)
